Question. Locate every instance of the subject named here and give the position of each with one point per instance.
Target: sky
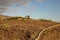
(45, 9)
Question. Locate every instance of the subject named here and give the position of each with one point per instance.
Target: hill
(20, 28)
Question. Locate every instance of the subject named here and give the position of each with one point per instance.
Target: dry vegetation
(50, 33)
(19, 28)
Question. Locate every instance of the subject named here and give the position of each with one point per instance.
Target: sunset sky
(48, 9)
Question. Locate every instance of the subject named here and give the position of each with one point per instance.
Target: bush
(44, 20)
(14, 18)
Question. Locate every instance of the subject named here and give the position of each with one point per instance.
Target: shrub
(44, 20)
(14, 18)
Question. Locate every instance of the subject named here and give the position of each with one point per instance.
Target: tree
(28, 16)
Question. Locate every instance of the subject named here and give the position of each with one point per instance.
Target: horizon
(31, 17)
(45, 9)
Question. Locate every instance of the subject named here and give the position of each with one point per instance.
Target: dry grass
(50, 33)
(25, 29)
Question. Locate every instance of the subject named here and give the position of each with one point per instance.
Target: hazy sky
(48, 9)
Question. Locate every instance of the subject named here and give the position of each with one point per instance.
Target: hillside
(22, 29)
(2, 17)
(50, 33)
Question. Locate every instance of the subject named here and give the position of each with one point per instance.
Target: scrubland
(20, 28)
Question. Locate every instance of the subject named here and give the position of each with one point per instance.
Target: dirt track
(55, 28)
